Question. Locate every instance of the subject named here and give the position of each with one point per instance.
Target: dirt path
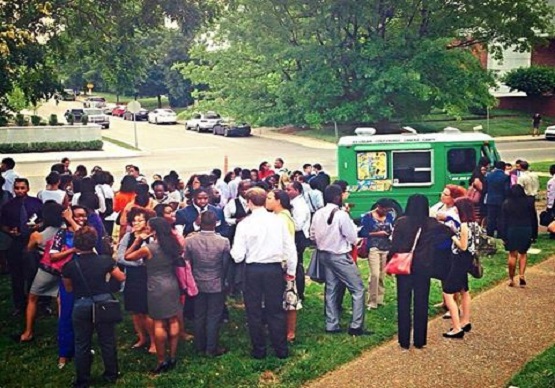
(510, 326)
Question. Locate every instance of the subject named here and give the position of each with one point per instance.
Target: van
(397, 166)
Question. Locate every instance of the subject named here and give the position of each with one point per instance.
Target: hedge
(20, 148)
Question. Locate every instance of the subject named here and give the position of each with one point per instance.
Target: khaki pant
(376, 286)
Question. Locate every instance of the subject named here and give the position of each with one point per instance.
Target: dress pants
(265, 282)
(376, 285)
(301, 242)
(412, 289)
(341, 270)
(209, 308)
(494, 221)
(83, 327)
(534, 217)
(19, 271)
(66, 339)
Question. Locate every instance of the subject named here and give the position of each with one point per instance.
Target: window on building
(412, 168)
(461, 160)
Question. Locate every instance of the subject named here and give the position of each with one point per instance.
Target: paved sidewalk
(510, 327)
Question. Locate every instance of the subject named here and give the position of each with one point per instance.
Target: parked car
(97, 116)
(94, 102)
(162, 116)
(142, 115)
(229, 128)
(119, 110)
(76, 112)
(203, 121)
(68, 95)
(550, 133)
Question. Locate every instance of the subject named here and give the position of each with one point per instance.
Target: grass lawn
(501, 123)
(313, 354)
(538, 373)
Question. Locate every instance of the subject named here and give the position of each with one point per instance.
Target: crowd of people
(242, 235)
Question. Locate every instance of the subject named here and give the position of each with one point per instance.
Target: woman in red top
(126, 193)
(264, 170)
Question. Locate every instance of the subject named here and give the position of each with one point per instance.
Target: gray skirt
(163, 296)
(45, 284)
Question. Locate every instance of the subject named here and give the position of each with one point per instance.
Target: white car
(203, 121)
(162, 116)
(97, 116)
(550, 133)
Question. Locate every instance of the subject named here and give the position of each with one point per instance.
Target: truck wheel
(396, 209)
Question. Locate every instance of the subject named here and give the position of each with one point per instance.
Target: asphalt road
(171, 147)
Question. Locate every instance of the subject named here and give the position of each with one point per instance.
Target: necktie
(23, 219)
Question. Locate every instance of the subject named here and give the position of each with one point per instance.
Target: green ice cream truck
(397, 166)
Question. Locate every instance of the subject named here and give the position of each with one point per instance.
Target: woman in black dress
(517, 214)
(414, 289)
(457, 280)
(135, 291)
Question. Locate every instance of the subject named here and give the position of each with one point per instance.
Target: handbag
(546, 218)
(362, 248)
(104, 311)
(185, 279)
(400, 263)
(46, 263)
(476, 270)
(473, 194)
(315, 270)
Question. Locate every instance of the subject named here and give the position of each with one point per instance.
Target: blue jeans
(342, 272)
(83, 327)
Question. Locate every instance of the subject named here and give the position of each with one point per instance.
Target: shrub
(84, 119)
(534, 80)
(18, 148)
(70, 119)
(3, 121)
(35, 120)
(20, 120)
(53, 120)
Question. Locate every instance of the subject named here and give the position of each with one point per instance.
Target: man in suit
(189, 215)
(498, 184)
(321, 179)
(209, 257)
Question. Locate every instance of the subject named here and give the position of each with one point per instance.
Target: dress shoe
(466, 328)
(172, 363)
(160, 368)
(217, 353)
(522, 282)
(358, 332)
(452, 335)
(334, 331)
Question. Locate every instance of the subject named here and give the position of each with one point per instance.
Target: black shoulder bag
(106, 311)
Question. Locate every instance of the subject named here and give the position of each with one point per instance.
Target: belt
(274, 263)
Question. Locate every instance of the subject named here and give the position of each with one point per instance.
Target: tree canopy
(318, 61)
(534, 80)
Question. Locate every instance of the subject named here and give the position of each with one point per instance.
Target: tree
(317, 61)
(534, 80)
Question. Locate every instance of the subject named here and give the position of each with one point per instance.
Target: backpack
(108, 202)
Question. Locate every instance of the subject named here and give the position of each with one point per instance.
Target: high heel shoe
(466, 328)
(452, 335)
(160, 368)
(172, 362)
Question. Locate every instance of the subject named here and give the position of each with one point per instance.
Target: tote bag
(400, 263)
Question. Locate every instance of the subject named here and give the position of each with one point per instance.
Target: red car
(118, 111)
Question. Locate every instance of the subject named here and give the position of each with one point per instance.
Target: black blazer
(403, 237)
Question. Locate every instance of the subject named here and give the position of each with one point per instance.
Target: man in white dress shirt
(334, 233)
(301, 218)
(8, 174)
(263, 242)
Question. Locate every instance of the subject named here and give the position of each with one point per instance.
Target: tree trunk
(117, 98)
(159, 97)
